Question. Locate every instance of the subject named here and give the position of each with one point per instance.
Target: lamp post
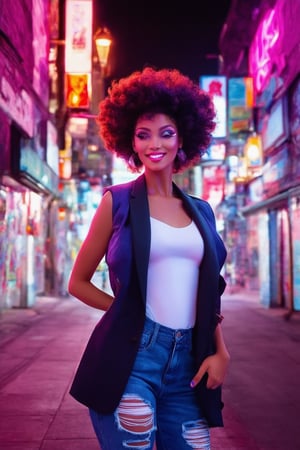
(103, 42)
(99, 158)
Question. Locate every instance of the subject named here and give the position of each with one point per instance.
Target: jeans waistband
(170, 333)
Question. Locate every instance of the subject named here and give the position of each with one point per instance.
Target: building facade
(29, 182)
(259, 40)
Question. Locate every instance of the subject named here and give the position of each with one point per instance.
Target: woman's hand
(216, 367)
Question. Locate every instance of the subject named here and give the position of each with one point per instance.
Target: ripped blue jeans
(158, 404)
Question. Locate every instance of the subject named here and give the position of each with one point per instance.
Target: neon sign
(261, 57)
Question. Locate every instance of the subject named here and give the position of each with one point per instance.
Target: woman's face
(156, 141)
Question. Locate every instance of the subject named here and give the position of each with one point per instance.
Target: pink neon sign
(261, 57)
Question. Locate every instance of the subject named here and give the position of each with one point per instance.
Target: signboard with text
(216, 86)
(240, 104)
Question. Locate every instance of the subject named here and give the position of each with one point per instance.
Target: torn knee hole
(196, 433)
(135, 415)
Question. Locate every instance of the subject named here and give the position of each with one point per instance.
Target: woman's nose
(155, 142)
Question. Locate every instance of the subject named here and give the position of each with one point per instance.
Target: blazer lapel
(210, 251)
(141, 231)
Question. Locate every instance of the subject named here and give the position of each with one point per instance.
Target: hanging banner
(78, 54)
(216, 86)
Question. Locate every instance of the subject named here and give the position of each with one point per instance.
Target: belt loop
(153, 327)
(155, 331)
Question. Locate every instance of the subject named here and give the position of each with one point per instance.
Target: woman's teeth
(156, 156)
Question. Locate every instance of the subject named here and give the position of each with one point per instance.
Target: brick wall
(16, 29)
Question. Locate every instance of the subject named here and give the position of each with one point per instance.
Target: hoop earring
(181, 156)
(134, 162)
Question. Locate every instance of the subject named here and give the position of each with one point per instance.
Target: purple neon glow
(262, 49)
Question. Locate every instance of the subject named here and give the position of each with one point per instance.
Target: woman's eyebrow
(163, 127)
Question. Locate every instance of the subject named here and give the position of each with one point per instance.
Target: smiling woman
(153, 368)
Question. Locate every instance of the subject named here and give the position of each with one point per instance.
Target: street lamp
(253, 154)
(98, 160)
(103, 42)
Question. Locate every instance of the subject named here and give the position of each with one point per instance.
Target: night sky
(163, 33)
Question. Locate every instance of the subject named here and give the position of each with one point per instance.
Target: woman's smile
(156, 157)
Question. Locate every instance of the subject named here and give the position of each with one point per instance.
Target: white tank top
(175, 256)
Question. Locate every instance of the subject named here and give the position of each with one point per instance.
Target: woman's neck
(159, 185)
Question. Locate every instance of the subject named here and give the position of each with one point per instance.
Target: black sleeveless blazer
(106, 363)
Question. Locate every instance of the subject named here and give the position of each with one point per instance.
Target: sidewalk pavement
(40, 349)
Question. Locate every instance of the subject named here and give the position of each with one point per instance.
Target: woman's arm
(89, 256)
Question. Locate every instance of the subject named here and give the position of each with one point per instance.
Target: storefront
(27, 185)
(22, 247)
(28, 150)
(273, 248)
(26, 188)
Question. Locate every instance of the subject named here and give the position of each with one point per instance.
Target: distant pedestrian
(154, 365)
